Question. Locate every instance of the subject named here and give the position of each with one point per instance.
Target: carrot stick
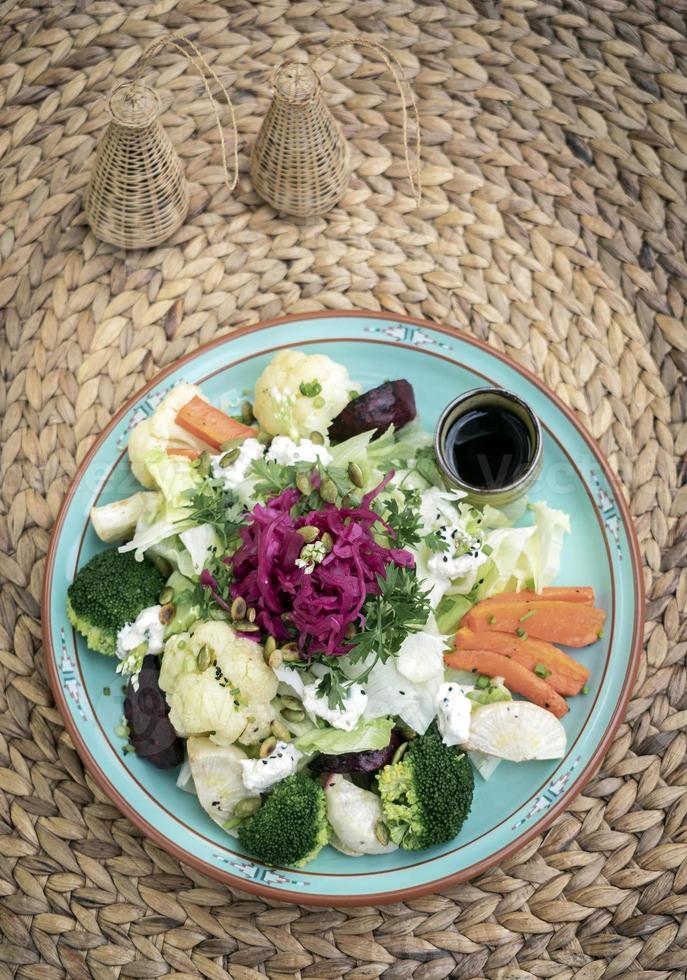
(571, 623)
(566, 675)
(557, 593)
(181, 451)
(207, 423)
(516, 677)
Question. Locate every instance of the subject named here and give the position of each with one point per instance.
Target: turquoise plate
(521, 800)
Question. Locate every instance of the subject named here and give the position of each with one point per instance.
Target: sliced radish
(517, 731)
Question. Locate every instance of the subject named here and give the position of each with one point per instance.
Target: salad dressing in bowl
(488, 444)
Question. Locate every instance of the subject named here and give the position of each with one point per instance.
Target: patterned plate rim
(402, 894)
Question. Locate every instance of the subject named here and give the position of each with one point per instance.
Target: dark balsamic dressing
(489, 447)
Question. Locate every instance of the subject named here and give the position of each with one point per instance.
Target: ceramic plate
(522, 799)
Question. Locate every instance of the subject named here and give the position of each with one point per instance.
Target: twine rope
(181, 43)
(396, 70)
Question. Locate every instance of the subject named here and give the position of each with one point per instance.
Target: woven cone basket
(299, 163)
(137, 196)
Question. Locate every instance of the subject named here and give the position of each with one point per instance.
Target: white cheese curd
(235, 474)
(285, 451)
(442, 566)
(344, 718)
(453, 712)
(145, 629)
(260, 774)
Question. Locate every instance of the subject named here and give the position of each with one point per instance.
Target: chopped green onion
(230, 824)
(542, 671)
(319, 402)
(126, 749)
(352, 394)
(482, 682)
(599, 634)
(491, 620)
(527, 615)
(310, 388)
(585, 689)
(521, 633)
(122, 731)
(106, 692)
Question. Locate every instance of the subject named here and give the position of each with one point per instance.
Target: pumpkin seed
(204, 464)
(288, 701)
(308, 532)
(317, 438)
(327, 541)
(247, 413)
(251, 613)
(230, 457)
(328, 491)
(270, 645)
(247, 807)
(280, 731)
(290, 714)
(355, 474)
(264, 438)
(289, 656)
(267, 746)
(203, 658)
(408, 733)
(166, 595)
(303, 483)
(275, 659)
(230, 824)
(245, 626)
(382, 833)
(238, 608)
(167, 613)
(350, 631)
(399, 753)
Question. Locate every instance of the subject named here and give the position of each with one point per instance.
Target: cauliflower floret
(217, 682)
(217, 777)
(300, 393)
(160, 431)
(354, 814)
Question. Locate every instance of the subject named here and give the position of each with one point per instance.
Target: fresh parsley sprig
(401, 608)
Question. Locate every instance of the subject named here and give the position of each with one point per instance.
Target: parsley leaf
(213, 504)
(401, 608)
(435, 542)
(404, 519)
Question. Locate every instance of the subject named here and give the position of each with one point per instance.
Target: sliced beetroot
(151, 732)
(390, 403)
(371, 761)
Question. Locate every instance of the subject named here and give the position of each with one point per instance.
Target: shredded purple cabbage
(318, 606)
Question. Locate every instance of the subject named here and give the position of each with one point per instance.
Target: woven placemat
(553, 226)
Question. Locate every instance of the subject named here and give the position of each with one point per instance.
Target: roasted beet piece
(151, 733)
(371, 761)
(392, 402)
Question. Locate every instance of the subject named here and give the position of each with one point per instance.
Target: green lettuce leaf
(366, 735)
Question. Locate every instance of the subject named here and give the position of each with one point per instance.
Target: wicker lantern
(300, 160)
(137, 196)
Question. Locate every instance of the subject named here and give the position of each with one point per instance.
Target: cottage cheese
(261, 774)
(344, 718)
(453, 713)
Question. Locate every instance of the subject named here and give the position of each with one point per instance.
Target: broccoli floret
(109, 592)
(291, 826)
(427, 795)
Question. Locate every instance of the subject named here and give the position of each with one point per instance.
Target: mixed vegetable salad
(322, 635)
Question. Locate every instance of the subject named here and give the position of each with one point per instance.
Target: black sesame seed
(402, 692)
